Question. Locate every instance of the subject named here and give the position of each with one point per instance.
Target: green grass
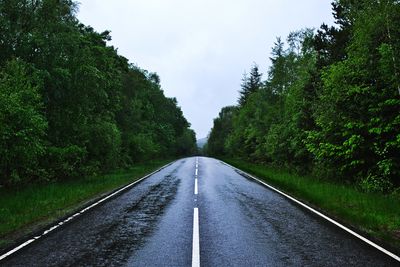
(22, 210)
(377, 215)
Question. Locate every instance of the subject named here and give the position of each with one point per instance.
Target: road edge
(49, 228)
(316, 212)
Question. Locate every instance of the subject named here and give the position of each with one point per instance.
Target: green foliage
(186, 143)
(357, 113)
(104, 144)
(330, 103)
(64, 162)
(250, 84)
(221, 130)
(41, 204)
(22, 124)
(270, 126)
(374, 213)
(376, 184)
(75, 106)
(143, 145)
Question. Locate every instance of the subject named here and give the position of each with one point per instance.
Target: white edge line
(12, 251)
(196, 239)
(195, 187)
(394, 256)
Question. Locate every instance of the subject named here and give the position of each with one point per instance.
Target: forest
(70, 105)
(330, 104)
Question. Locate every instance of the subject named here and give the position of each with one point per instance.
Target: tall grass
(21, 210)
(375, 214)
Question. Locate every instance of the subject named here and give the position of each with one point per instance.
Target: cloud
(200, 49)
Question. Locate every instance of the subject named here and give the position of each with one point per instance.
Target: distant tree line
(70, 105)
(330, 104)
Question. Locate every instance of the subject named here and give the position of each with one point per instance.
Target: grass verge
(376, 215)
(27, 209)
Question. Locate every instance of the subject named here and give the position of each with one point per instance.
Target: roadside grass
(374, 214)
(23, 210)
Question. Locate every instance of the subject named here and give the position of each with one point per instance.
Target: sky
(201, 48)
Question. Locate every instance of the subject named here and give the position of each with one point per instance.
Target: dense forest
(330, 103)
(70, 105)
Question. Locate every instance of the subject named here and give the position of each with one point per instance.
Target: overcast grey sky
(201, 48)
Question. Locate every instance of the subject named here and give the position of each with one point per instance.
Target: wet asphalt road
(241, 223)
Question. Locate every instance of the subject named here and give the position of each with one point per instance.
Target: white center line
(196, 172)
(196, 244)
(195, 187)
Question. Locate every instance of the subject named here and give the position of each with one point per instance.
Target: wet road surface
(240, 223)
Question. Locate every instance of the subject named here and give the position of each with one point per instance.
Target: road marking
(54, 227)
(17, 248)
(394, 256)
(196, 239)
(195, 187)
(196, 172)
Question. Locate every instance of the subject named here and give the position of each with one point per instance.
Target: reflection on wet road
(240, 223)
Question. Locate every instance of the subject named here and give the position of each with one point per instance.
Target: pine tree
(250, 84)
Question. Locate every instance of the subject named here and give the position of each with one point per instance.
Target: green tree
(100, 111)
(250, 84)
(222, 128)
(358, 118)
(22, 124)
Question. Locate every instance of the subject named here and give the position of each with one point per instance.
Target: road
(198, 211)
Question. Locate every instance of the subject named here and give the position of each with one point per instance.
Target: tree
(222, 128)
(284, 141)
(93, 110)
(22, 123)
(250, 84)
(330, 104)
(278, 78)
(358, 117)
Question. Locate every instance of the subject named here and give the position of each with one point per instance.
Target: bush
(376, 184)
(66, 162)
(104, 144)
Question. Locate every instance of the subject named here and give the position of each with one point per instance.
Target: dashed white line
(196, 239)
(195, 187)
